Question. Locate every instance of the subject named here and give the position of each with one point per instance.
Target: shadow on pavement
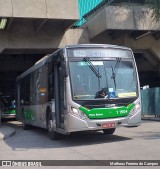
(38, 138)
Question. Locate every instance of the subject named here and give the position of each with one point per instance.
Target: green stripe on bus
(29, 115)
(103, 113)
(10, 112)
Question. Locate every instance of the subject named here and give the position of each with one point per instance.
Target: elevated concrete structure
(22, 35)
(34, 28)
(121, 18)
(48, 9)
(33, 24)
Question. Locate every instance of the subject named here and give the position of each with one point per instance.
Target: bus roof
(97, 45)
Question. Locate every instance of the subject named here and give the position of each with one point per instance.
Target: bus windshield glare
(93, 79)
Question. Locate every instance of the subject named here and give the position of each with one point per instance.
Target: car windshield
(103, 79)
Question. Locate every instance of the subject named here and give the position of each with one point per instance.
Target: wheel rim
(49, 125)
(23, 122)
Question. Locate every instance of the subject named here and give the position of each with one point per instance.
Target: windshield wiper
(114, 77)
(92, 67)
(115, 70)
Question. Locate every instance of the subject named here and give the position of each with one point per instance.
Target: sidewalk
(6, 132)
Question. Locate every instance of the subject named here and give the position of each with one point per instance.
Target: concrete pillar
(156, 51)
(159, 70)
(52, 38)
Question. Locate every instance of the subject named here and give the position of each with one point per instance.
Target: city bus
(80, 88)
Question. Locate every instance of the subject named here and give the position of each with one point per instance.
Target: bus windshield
(93, 79)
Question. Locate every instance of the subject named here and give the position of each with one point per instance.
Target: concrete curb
(6, 132)
(151, 118)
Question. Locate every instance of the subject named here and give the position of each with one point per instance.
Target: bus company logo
(6, 164)
(96, 115)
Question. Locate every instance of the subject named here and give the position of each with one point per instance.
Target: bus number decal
(122, 111)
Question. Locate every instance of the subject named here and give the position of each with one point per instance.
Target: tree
(154, 5)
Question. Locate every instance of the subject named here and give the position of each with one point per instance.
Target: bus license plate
(109, 125)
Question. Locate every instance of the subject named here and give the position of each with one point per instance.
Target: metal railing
(151, 101)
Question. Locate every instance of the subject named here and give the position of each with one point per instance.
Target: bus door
(59, 95)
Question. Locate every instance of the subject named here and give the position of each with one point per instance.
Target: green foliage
(154, 5)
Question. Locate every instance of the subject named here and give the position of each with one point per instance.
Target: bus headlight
(77, 113)
(74, 110)
(136, 108)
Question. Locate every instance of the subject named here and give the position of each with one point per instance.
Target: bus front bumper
(76, 124)
(8, 116)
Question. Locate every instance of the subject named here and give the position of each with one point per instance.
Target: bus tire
(109, 131)
(24, 125)
(53, 135)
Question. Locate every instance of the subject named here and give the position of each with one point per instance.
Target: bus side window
(33, 89)
(26, 90)
(42, 84)
(21, 86)
(50, 82)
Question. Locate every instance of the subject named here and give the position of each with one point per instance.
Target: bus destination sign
(109, 52)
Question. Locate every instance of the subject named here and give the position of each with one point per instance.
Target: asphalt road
(140, 143)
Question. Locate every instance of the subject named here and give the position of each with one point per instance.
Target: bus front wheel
(53, 135)
(109, 131)
(24, 125)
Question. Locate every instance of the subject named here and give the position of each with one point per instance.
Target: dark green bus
(7, 107)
